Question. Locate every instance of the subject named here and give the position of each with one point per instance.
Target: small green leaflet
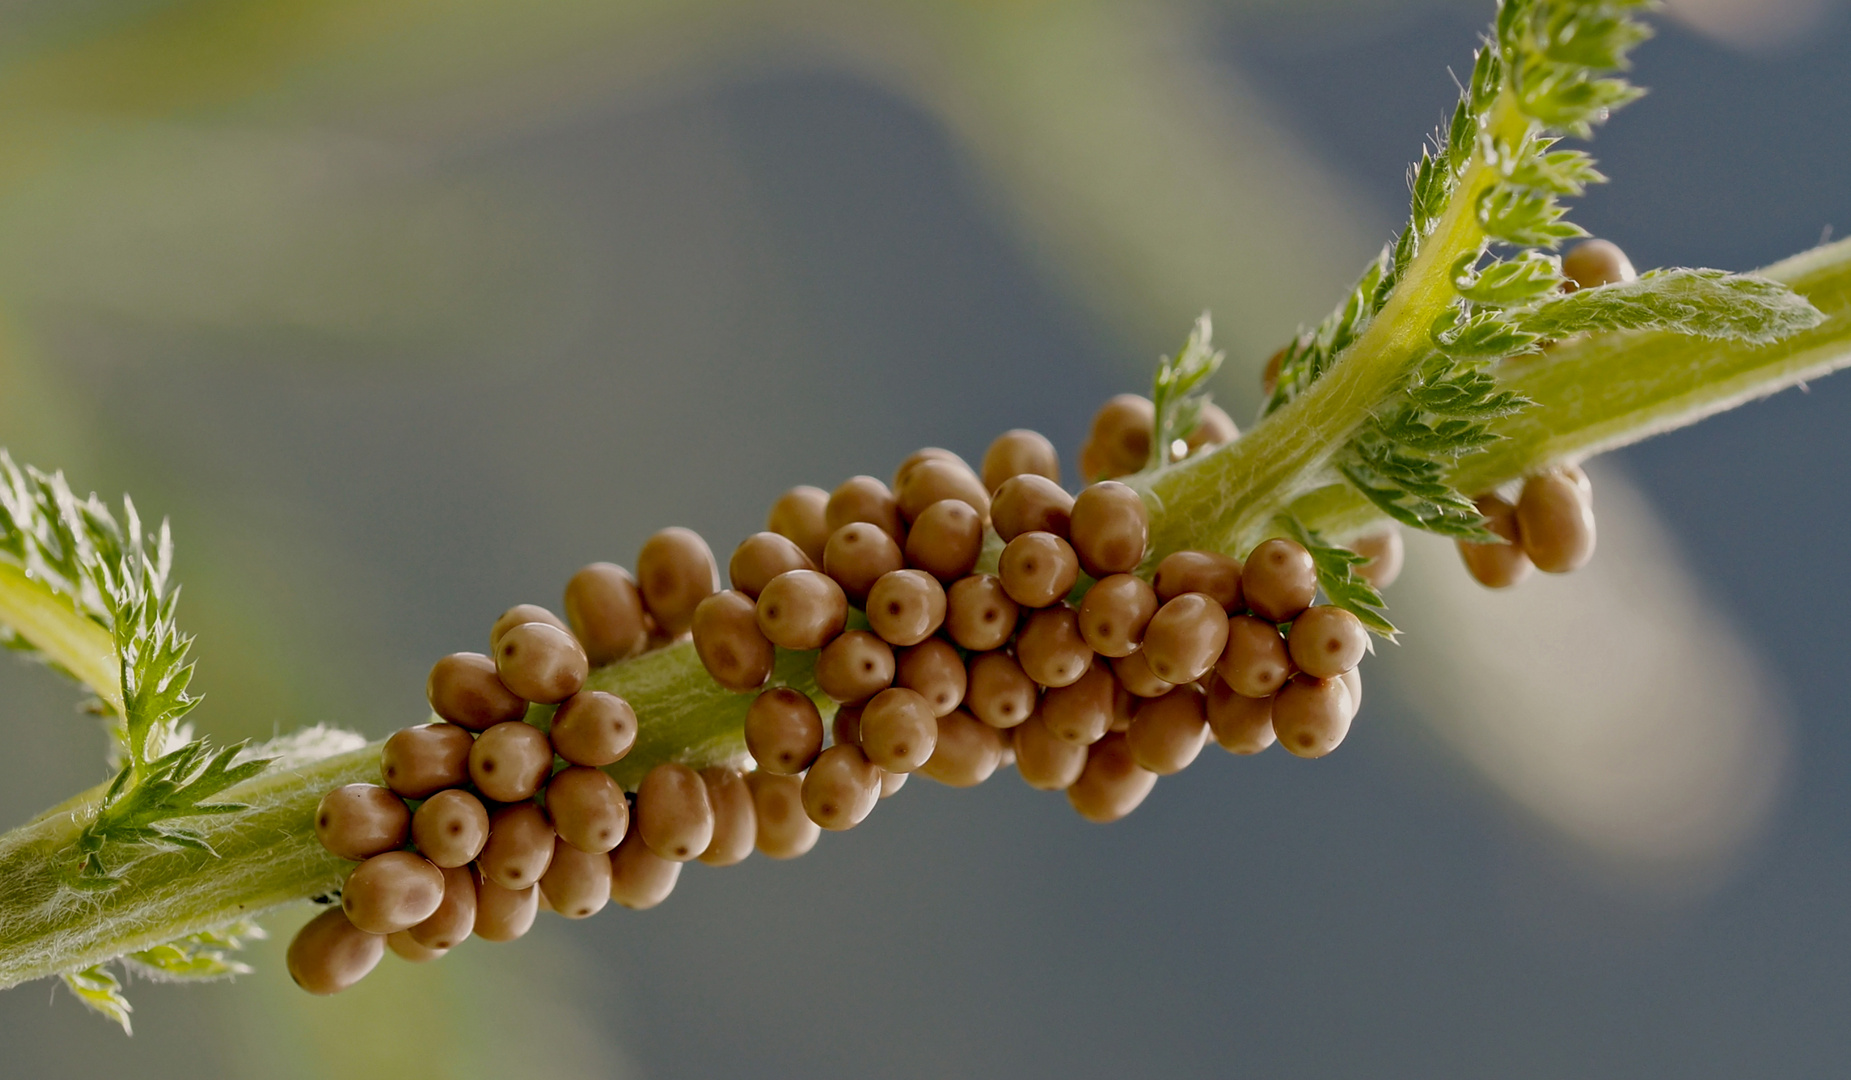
(174, 785)
(1177, 389)
(1312, 353)
(198, 957)
(118, 576)
(99, 988)
(1700, 303)
(1338, 578)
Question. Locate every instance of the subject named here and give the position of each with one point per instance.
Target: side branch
(1602, 392)
(1593, 394)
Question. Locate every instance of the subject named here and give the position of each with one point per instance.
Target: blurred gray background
(403, 314)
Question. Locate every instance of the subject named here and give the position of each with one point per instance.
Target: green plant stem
(1218, 500)
(1602, 392)
(71, 641)
(1593, 394)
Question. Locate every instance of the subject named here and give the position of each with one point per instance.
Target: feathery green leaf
(1338, 577)
(1701, 303)
(98, 988)
(1177, 391)
(198, 957)
(144, 809)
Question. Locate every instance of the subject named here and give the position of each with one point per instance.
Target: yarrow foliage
(1493, 181)
(74, 557)
(1179, 390)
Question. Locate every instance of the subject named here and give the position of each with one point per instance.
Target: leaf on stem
(98, 987)
(198, 957)
(1702, 303)
(175, 785)
(1337, 576)
(1177, 390)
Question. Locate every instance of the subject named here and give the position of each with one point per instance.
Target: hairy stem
(1592, 394)
(1602, 392)
(66, 638)
(1219, 500)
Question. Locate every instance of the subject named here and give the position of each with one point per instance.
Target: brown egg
(1185, 638)
(510, 761)
(905, 607)
(1110, 529)
(935, 479)
(946, 540)
(1241, 724)
(455, 918)
(1115, 613)
(1081, 712)
(641, 879)
(1031, 503)
(392, 891)
(1556, 517)
(968, 751)
(1038, 569)
(1000, 693)
(898, 730)
(1279, 580)
(1135, 675)
(519, 615)
(330, 954)
(359, 821)
(464, 689)
(1497, 566)
(450, 828)
(841, 788)
(979, 615)
(731, 646)
(676, 571)
(1256, 662)
(417, 762)
(783, 731)
(865, 499)
(934, 669)
(605, 610)
(504, 914)
(1050, 648)
(1386, 553)
(1168, 732)
(857, 555)
(577, 884)
(784, 830)
(802, 609)
(520, 844)
(1112, 784)
(801, 516)
(673, 813)
(587, 808)
(1207, 572)
(541, 662)
(735, 821)
(1019, 452)
(761, 557)
(1311, 716)
(854, 667)
(1045, 762)
(1121, 435)
(594, 728)
(1327, 641)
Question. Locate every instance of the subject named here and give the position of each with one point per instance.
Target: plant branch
(1216, 501)
(65, 638)
(1601, 392)
(1594, 393)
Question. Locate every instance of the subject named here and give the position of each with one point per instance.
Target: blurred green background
(402, 311)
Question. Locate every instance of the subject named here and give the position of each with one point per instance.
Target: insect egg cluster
(961, 620)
